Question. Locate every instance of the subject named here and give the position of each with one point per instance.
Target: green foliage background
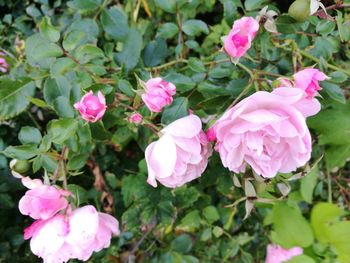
(58, 50)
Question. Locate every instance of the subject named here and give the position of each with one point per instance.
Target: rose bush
(174, 131)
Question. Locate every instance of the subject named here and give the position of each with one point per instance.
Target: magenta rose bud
(277, 254)
(91, 107)
(308, 79)
(267, 131)
(211, 134)
(43, 202)
(3, 64)
(135, 118)
(158, 94)
(180, 155)
(240, 38)
(75, 235)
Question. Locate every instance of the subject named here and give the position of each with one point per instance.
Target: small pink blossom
(159, 94)
(135, 118)
(308, 79)
(180, 155)
(73, 236)
(211, 134)
(42, 201)
(3, 64)
(277, 254)
(240, 38)
(267, 131)
(91, 107)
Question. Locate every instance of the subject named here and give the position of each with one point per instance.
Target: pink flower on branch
(91, 107)
(277, 254)
(158, 94)
(180, 155)
(240, 38)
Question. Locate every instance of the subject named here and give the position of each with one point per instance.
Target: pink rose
(307, 80)
(3, 64)
(240, 38)
(277, 254)
(73, 236)
(91, 108)
(135, 118)
(43, 201)
(159, 94)
(211, 134)
(267, 131)
(180, 155)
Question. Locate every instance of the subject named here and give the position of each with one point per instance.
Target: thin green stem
(167, 65)
(329, 184)
(246, 69)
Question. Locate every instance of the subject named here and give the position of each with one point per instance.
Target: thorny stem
(61, 164)
(332, 7)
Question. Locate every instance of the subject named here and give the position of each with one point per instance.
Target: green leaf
(22, 152)
(155, 53)
(325, 27)
(73, 39)
(196, 65)
(211, 214)
(49, 31)
(62, 130)
(61, 66)
(177, 110)
(186, 197)
(301, 259)
(168, 30)
(308, 183)
(322, 215)
(63, 107)
(167, 5)
(132, 188)
(115, 23)
(86, 5)
(287, 25)
(291, 228)
(13, 96)
(79, 192)
(55, 87)
(337, 156)
(126, 87)
(38, 47)
(338, 77)
(29, 135)
(77, 161)
(88, 52)
(182, 82)
(194, 27)
(130, 54)
(334, 91)
(343, 27)
(190, 222)
(182, 244)
(254, 4)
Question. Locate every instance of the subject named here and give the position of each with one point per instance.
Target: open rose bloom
(240, 38)
(180, 155)
(158, 94)
(75, 235)
(268, 131)
(277, 254)
(91, 107)
(43, 202)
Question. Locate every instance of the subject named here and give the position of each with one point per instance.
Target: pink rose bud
(267, 131)
(308, 79)
(283, 83)
(277, 254)
(211, 134)
(135, 118)
(240, 38)
(180, 155)
(91, 107)
(43, 201)
(73, 236)
(3, 64)
(159, 94)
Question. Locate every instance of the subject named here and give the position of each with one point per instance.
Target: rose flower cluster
(61, 232)
(266, 132)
